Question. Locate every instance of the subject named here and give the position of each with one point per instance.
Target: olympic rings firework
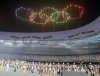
(58, 16)
(77, 7)
(43, 18)
(23, 13)
(49, 14)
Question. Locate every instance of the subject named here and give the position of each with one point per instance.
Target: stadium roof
(87, 30)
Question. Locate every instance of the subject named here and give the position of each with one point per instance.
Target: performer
(54, 70)
(46, 68)
(96, 70)
(42, 68)
(58, 69)
(50, 69)
(0, 67)
(7, 66)
(38, 69)
(99, 70)
(35, 68)
(24, 69)
(32, 68)
(63, 67)
(68, 67)
(15, 67)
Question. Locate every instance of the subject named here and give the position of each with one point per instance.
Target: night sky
(8, 20)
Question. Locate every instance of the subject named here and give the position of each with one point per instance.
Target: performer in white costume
(7, 66)
(50, 69)
(54, 69)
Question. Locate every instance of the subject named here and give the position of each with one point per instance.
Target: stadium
(46, 43)
(77, 42)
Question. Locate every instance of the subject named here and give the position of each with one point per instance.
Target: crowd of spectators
(48, 58)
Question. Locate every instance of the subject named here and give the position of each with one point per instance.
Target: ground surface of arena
(11, 72)
(19, 72)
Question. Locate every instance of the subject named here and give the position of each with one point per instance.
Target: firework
(50, 14)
